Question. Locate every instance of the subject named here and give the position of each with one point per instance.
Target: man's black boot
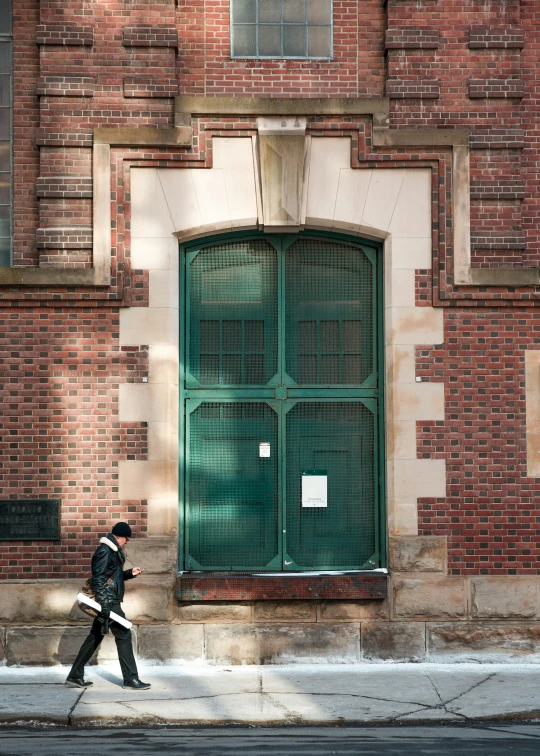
(78, 682)
(136, 684)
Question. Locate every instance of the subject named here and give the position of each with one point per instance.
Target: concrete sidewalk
(296, 694)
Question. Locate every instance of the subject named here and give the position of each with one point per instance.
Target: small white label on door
(314, 488)
(264, 449)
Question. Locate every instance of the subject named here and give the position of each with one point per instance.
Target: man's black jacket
(108, 563)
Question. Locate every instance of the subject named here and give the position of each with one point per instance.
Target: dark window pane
(209, 368)
(329, 369)
(5, 220)
(294, 11)
(307, 336)
(5, 156)
(209, 331)
(352, 368)
(5, 253)
(269, 11)
(319, 11)
(352, 335)
(232, 335)
(244, 11)
(254, 368)
(5, 188)
(244, 40)
(319, 41)
(254, 335)
(307, 369)
(5, 89)
(5, 57)
(294, 40)
(330, 336)
(232, 369)
(5, 118)
(270, 40)
(5, 16)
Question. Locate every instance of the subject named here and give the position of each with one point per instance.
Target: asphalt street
(488, 740)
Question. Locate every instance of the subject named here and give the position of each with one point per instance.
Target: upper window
(5, 132)
(281, 28)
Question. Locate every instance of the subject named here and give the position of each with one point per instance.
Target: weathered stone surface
(418, 554)
(107, 652)
(55, 645)
(46, 601)
(352, 610)
(168, 643)
(277, 611)
(504, 597)
(399, 641)
(282, 644)
(43, 645)
(481, 641)
(2, 643)
(152, 555)
(214, 611)
(429, 597)
(149, 599)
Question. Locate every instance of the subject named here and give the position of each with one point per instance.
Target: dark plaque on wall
(30, 520)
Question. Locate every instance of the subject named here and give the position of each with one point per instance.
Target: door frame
(210, 241)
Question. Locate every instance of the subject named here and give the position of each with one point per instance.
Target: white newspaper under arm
(94, 604)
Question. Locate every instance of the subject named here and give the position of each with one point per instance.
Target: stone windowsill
(245, 586)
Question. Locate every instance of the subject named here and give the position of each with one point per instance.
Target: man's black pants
(124, 646)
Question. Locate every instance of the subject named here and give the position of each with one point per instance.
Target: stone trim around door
(388, 204)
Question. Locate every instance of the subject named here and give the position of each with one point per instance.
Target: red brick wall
(491, 514)
(59, 410)
(61, 437)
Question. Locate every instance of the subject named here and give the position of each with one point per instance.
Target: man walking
(108, 576)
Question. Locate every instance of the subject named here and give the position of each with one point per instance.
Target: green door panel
(232, 493)
(232, 314)
(339, 438)
(329, 314)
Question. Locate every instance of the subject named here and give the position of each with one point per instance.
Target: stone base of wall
(428, 616)
(285, 643)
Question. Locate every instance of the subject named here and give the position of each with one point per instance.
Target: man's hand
(105, 613)
(136, 571)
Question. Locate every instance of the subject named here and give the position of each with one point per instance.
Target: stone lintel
(318, 106)
(145, 136)
(422, 137)
(502, 277)
(49, 277)
(228, 586)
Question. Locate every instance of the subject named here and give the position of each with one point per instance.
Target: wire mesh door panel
(336, 440)
(329, 314)
(233, 314)
(232, 486)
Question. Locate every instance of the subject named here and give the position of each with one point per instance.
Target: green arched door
(280, 386)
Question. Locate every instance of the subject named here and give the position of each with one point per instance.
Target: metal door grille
(337, 438)
(330, 314)
(233, 314)
(233, 515)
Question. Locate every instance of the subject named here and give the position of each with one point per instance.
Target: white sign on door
(314, 488)
(264, 449)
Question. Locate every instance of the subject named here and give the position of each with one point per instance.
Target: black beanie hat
(122, 529)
